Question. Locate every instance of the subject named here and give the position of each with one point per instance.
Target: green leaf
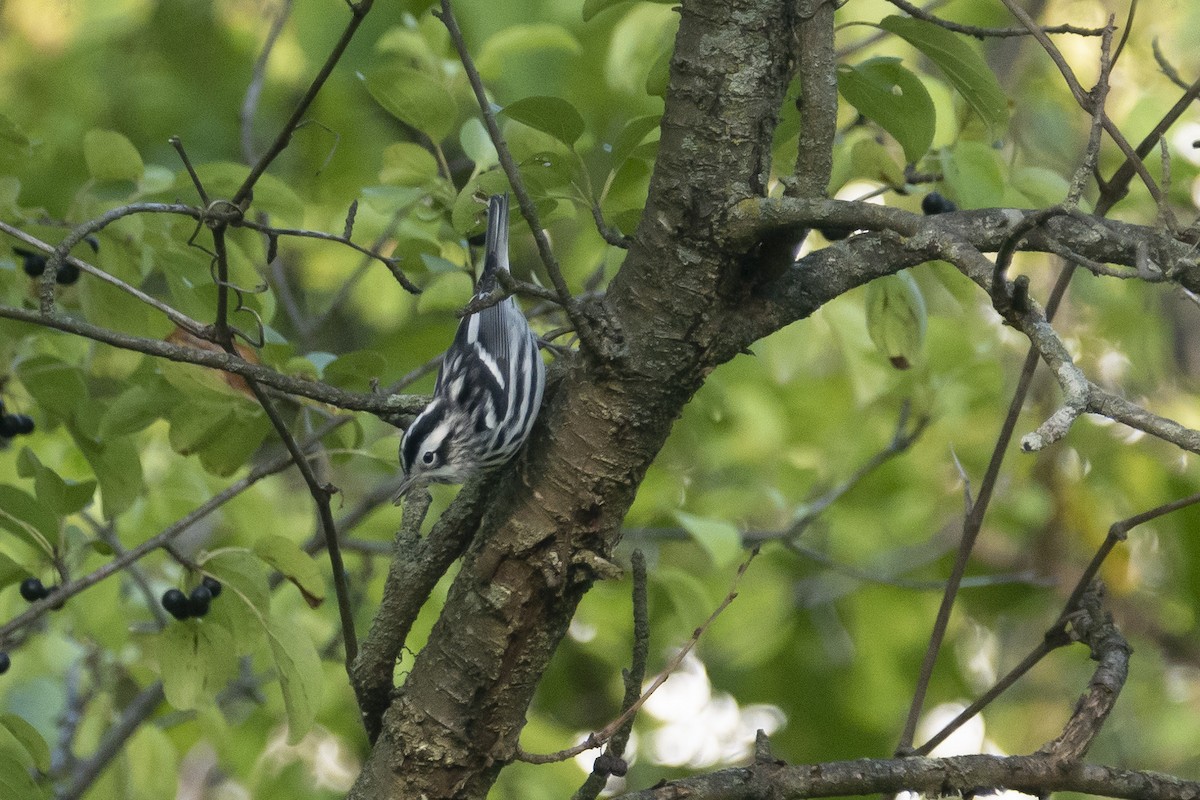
(593, 7)
(884, 91)
(24, 516)
(11, 572)
(135, 409)
(1042, 187)
(294, 564)
(413, 98)
(153, 764)
(477, 144)
(355, 370)
(56, 387)
(15, 780)
(659, 74)
(196, 660)
(29, 738)
(719, 538)
(243, 574)
(634, 132)
(271, 195)
(551, 115)
(446, 292)
(300, 675)
(873, 161)
(60, 496)
(896, 318)
(242, 434)
(542, 45)
(407, 164)
(117, 467)
(973, 173)
(960, 62)
(111, 157)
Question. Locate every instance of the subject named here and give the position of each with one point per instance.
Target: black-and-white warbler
(489, 388)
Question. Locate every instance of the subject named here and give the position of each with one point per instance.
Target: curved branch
(384, 405)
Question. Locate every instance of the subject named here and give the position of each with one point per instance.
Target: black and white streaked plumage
(489, 388)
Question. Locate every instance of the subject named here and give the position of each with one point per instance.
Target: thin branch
(217, 359)
(392, 264)
(68, 590)
(1038, 775)
(414, 570)
(258, 77)
(192, 326)
(140, 709)
(973, 523)
(321, 494)
(989, 33)
(1086, 102)
(358, 12)
(598, 738)
(528, 210)
(611, 761)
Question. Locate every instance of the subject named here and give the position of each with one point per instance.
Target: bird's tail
(496, 243)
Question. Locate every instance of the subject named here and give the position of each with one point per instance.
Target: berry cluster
(13, 424)
(35, 264)
(182, 606)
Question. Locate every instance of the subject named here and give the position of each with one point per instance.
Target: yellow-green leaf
(294, 564)
(111, 157)
(896, 318)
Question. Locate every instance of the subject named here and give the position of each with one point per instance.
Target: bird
(489, 387)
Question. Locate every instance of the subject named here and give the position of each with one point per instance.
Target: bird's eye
(428, 457)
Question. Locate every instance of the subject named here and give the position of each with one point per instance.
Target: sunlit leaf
(719, 538)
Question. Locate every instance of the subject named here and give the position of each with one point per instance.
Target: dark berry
(212, 584)
(67, 274)
(5, 662)
(8, 427)
(199, 600)
(935, 203)
(836, 234)
(32, 590)
(20, 423)
(35, 263)
(176, 603)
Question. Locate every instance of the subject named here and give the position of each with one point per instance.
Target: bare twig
(217, 359)
(140, 709)
(989, 33)
(258, 77)
(358, 12)
(600, 737)
(528, 210)
(611, 761)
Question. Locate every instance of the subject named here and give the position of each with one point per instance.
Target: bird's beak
(406, 484)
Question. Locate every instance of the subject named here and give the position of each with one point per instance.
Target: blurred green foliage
(91, 91)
